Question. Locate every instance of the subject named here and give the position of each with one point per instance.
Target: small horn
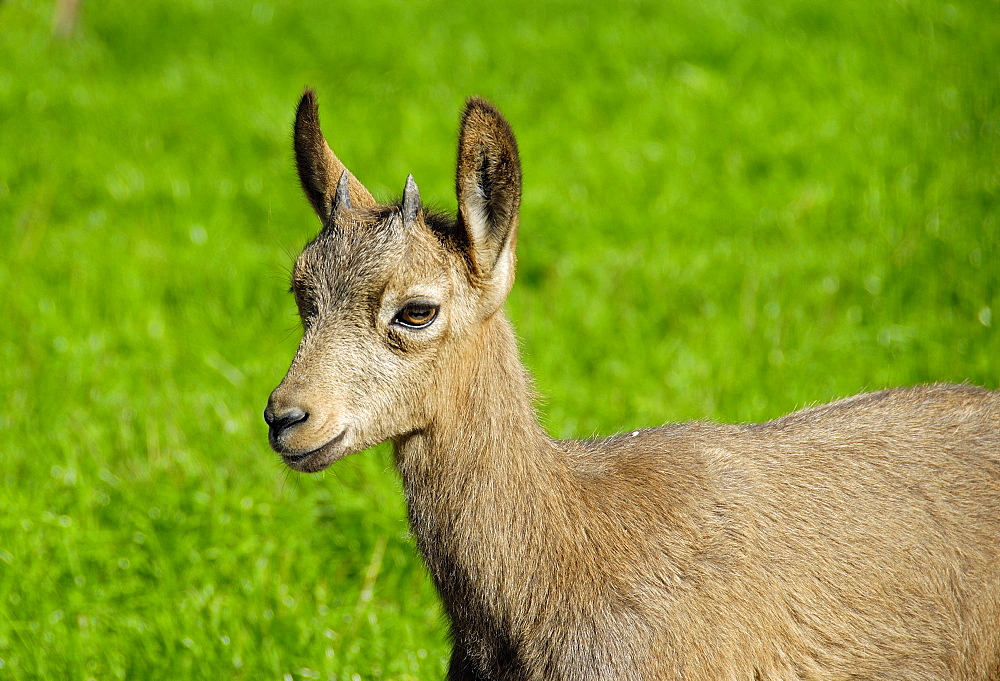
(411, 200)
(342, 199)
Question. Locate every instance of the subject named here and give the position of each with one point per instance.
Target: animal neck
(482, 481)
(482, 419)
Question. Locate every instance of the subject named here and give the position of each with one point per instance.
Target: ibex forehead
(364, 252)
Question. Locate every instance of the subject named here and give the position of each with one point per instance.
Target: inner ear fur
(488, 185)
(319, 168)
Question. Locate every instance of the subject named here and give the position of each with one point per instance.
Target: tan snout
(298, 422)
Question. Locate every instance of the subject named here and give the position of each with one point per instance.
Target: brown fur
(860, 539)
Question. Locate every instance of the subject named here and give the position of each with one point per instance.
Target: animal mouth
(317, 459)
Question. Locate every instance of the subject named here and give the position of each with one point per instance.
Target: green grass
(732, 209)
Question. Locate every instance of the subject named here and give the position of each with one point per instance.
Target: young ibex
(856, 540)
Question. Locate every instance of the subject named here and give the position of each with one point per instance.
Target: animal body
(855, 540)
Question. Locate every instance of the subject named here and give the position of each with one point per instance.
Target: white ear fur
(482, 232)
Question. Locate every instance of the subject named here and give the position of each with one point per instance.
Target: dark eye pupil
(417, 315)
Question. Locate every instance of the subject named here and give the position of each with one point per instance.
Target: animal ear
(319, 168)
(488, 184)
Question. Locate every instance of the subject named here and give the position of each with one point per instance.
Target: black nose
(279, 423)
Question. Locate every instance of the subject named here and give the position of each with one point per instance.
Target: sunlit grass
(730, 210)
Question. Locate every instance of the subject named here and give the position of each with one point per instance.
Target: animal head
(389, 295)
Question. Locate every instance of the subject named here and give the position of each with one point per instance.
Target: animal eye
(416, 315)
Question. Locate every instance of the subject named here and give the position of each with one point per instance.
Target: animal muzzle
(281, 421)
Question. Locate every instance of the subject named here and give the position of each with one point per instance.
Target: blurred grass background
(731, 210)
